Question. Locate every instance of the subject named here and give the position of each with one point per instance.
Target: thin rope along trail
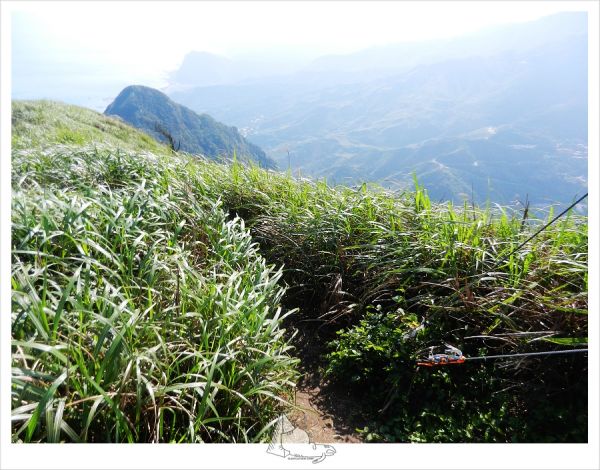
(543, 353)
(504, 258)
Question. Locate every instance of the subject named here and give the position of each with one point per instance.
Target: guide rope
(542, 353)
(505, 257)
(454, 355)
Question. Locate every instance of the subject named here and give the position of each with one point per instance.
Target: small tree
(167, 135)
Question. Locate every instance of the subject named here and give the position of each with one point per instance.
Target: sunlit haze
(142, 41)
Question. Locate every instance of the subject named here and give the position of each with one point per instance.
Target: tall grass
(386, 275)
(146, 306)
(140, 313)
(372, 246)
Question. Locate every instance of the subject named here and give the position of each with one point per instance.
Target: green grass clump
(140, 313)
(146, 307)
(64, 135)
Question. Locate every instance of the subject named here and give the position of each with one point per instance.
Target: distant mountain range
(205, 69)
(155, 113)
(499, 115)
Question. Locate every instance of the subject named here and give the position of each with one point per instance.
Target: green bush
(371, 354)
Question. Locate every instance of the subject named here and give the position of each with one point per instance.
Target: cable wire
(544, 353)
(505, 257)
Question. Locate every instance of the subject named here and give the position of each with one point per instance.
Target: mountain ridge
(154, 112)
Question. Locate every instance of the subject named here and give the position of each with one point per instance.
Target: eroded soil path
(327, 413)
(324, 424)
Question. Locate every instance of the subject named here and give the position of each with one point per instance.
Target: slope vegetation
(140, 312)
(157, 297)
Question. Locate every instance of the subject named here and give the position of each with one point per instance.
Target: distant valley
(501, 116)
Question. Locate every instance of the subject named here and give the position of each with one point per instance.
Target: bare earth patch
(322, 425)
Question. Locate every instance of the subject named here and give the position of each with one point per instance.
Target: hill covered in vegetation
(155, 113)
(163, 297)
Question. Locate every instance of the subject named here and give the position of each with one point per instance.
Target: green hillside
(161, 297)
(40, 124)
(155, 113)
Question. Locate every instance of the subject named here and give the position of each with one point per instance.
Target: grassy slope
(146, 253)
(140, 313)
(39, 124)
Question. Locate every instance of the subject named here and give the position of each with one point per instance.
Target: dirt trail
(322, 426)
(327, 413)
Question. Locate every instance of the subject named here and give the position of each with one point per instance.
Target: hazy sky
(125, 42)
